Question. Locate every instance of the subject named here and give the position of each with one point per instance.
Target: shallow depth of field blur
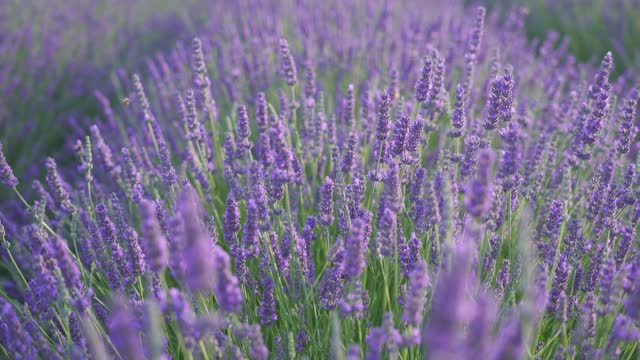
(302, 179)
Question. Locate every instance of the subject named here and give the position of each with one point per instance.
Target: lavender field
(301, 179)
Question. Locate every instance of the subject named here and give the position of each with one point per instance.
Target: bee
(125, 101)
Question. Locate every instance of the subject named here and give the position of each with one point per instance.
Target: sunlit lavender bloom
(384, 244)
(438, 92)
(349, 110)
(154, 241)
(13, 334)
(594, 269)
(267, 312)
(106, 156)
(57, 187)
(250, 233)
(449, 309)
(288, 64)
(109, 236)
(459, 115)
(375, 340)
(627, 234)
(253, 334)
(123, 329)
(510, 341)
(354, 304)
(510, 160)
(627, 127)
(506, 101)
(559, 284)
(473, 46)
(197, 253)
(43, 291)
(602, 76)
(481, 325)
(131, 171)
(226, 287)
(184, 315)
(231, 220)
(310, 80)
(262, 112)
(136, 262)
(355, 249)
(349, 156)
(416, 296)
(400, 133)
(326, 202)
(478, 193)
(331, 284)
(384, 125)
(243, 144)
(393, 188)
(6, 173)
(68, 266)
(424, 82)
(493, 105)
(502, 281)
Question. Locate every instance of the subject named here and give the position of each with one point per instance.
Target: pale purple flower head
(288, 64)
(154, 242)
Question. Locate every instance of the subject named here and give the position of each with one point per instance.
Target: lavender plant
(409, 188)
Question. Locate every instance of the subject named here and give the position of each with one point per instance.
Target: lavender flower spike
(6, 173)
(123, 330)
(416, 297)
(288, 64)
(154, 242)
(197, 252)
(355, 249)
(478, 194)
(57, 187)
(326, 203)
(424, 82)
(627, 127)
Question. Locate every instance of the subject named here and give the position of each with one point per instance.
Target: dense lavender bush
(387, 180)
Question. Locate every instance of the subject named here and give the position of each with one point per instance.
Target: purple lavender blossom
(349, 110)
(13, 334)
(288, 64)
(136, 265)
(6, 173)
(58, 187)
(627, 127)
(68, 266)
(459, 115)
(197, 253)
(226, 287)
(477, 195)
(268, 314)
(250, 233)
(493, 105)
(423, 85)
(326, 203)
(123, 330)
(400, 134)
(416, 296)
(231, 220)
(154, 241)
(355, 249)
(349, 156)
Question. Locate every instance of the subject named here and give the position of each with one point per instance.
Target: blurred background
(55, 54)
